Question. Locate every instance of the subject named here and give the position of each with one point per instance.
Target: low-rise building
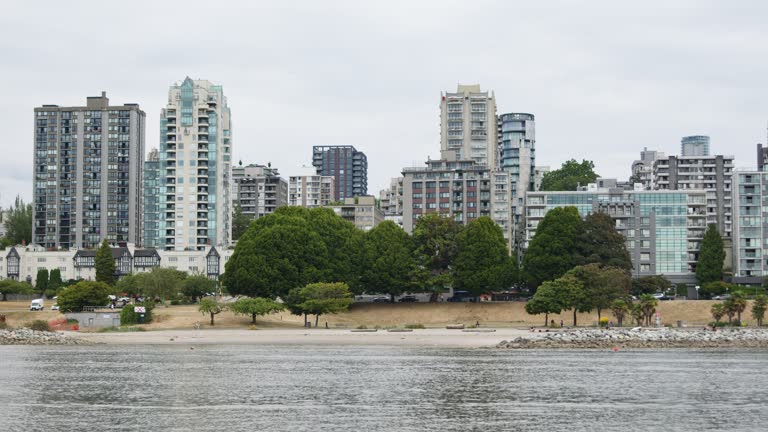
(311, 191)
(663, 229)
(23, 262)
(361, 211)
(391, 201)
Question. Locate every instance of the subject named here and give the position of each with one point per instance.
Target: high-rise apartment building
(458, 189)
(151, 209)
(311, 191)
(259, 189)
(750, 236)
(195, 160)
(468, 126)
(711, 174)
(663, 229)
(762, 157)
(346, 165)
(517, 157)
(696, 145)
(642, 169)
(88, 174)
(391, 201)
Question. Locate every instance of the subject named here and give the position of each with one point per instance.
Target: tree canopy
(434, 239)
(18, 224)
(600, 242)
(390, 260)
(601, 286)
(570, 176)
(482, 263)
(10, 286)
(255, 307)
(240, 222)
(650, 285)
(319, 299)
(709, 267)
(551, 250)
(196, 286)
(211, 307)
(105, 264)
(84, 293)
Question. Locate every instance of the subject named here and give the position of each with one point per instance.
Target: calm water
(259, 388)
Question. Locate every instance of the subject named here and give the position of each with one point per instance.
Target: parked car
(381, 300)
(37, 305)
(408, 299)
(55, 307)
(721, 297)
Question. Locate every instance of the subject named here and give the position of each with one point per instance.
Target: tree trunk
(546, 319)
(574, 317)
(391, 300)
(212, 314)
(253, 318)
(433, 297)
(599, 311)
(619, 319)
(305, 320)
(317, 318)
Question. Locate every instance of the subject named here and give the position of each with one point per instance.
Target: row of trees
(736, 305)
(18, 224)
(295, 247)
(314, 299)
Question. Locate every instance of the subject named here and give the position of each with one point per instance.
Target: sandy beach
(420, 337)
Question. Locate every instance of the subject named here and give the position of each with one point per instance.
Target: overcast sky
(603, 78)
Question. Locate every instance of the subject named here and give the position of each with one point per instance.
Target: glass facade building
(663, 229)
(346, 165)
(151, 213)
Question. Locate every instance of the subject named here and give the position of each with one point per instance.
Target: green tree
(128, 314)
(18, 224)
(209, 306)
(550, 298)
(240, 222)
(55, 282)
(434, 237)
(730, 310)
(759, 307)
(255, 307)
(650, 285)
(41, 281)
(620, 309)
(739, 301)
(162, 283)
(570, 176)
(636, 310)
(195, 286)
(551, 251)
(10, 286)
(390, 260)
(709, 267)
(482, 263)
(648, 305)
(599, 242)
(322, 298)
(84, 293)
(718, 311)
(105, 264)
(712, 289)
(345, 245)
(277, 253)
(602, 285)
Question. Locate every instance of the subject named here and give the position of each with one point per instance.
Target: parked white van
(36, 305)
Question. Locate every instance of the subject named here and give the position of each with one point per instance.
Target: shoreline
(504, 338)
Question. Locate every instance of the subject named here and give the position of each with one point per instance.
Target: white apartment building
(195, 165)
(468, 126)
(311, 191)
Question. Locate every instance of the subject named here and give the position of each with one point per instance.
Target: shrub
(120, 329)
(718, 324)
(603, 322)
(415, 326)
(129, 316)
(39, 325)
(175, 302)
(4, 326)
(362, 327)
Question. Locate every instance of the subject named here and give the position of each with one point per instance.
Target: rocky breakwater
(25, 336)
(641, 338)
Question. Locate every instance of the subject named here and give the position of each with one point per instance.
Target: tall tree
(84, 293)
(550, 298)
(709, 268)
(196, 286)
(18, 225)
(482, 263)
(570, 176)
(602, 285)
(345, 245)
(279, 252)
(240, 222)
(390, 260)
(55, 282)
(599, 242)
(105, 264)
(650, 285)
(41, 281)
(551, 251)
(434, 238)
(648, 305)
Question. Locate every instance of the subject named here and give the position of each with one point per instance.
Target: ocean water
(377, 388)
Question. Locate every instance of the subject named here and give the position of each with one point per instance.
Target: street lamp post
(697, 292)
